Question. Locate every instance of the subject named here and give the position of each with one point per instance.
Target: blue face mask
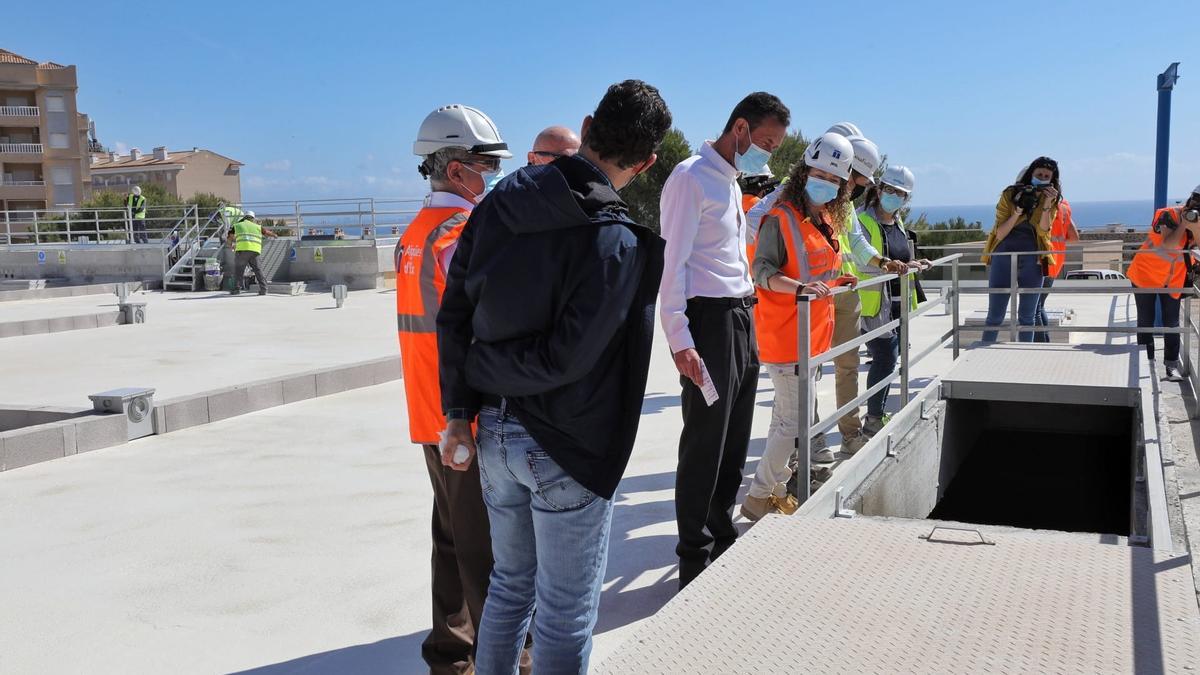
(753, 161)
(490, 178)
(820, 191)
(890, 202)
(1038, 182)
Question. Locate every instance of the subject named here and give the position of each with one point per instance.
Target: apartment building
(44, 143)
(182, 173)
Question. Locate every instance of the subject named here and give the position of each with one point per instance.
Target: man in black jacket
(545, 333)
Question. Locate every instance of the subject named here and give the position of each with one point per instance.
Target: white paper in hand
(461, 454)
(707, 387)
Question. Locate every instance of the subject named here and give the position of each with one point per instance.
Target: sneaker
(235, 292)
(262, 292)
(1174, 371)
(855, 443)
(820, 474)
(755, 508)
(872, 424)
(820, 451)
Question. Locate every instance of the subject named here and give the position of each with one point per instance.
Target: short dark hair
(629, 124)
(757, 107)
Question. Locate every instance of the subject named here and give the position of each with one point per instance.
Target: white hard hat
(899, 177)
(137, 191)
(844, 129)
(866, 156)
(460, 126)
(1197, 190)
(831, 152)
(249, 214)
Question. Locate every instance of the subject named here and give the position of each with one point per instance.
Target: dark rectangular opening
(1038, 465)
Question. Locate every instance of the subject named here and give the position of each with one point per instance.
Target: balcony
(19, 111)
(9, 182)
(21, 148)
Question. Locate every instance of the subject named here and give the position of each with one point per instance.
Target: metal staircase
(183, 260)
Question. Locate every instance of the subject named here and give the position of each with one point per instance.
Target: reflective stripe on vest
(872, 298)
(419, 286)
(1156, 265)
(248, 236)
(810, 257)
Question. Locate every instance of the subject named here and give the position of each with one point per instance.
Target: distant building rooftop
(9, 57)
(160, 157)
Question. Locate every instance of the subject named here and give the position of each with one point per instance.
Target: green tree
(788, 154)
(643, 193)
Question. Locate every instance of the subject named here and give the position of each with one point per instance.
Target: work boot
(786, 504)
(754, 508)
(262, 292)
(235, 292)
(854, 443)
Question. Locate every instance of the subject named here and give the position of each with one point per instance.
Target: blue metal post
(1166, 82)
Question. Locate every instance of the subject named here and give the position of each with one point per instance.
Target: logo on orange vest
(411, 257)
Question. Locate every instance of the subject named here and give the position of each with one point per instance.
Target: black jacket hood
(569, 192)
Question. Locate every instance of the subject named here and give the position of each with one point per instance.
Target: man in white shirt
(706, 300)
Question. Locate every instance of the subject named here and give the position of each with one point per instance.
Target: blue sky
(323, 99)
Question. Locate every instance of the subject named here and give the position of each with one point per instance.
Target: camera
(757, 185)
(1191, 215)
(1026, 197)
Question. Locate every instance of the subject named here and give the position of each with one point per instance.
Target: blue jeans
(550, 541)
(1041, 319)
(883, 350)
(1029, 275)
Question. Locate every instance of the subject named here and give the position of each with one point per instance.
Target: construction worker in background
(879, 305)
(1062, 231)
(460, 150)
(797, 253)
(248, 236)
(136, 204)
(552, 143)
(1162, 262)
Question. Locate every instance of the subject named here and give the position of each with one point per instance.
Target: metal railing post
(96, 221)
(804, 439)
(69, 236)
(299, 222)
(36, 237)
(374, 230)
(128, 224)
(905, 299)
(1012, 300)
(956, 338)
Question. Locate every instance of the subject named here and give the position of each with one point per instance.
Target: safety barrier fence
(808, 365)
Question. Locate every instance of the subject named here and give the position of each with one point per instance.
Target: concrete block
(100, 431)
(84, 322)
(11, 329)
(70, 440)
(226, 403)
(263, 395)
(108, 319)
(31, 445)
(60, 324)
(387, 370)
(299, 388)
(332, 381)
(182, 413)
(160, 419)
(35, 326)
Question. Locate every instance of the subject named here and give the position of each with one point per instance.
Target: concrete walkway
(295, 539)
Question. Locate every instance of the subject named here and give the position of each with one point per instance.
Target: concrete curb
(68, 291)
(84, 431)
(60, 324)
(219, 404)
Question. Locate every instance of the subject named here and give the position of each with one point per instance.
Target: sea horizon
(1088, 215)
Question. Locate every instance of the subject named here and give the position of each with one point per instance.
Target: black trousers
(239, 270)
(712, 447)
(139, 231)
(1170, 319)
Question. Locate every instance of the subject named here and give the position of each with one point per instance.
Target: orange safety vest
(810, 257)
(1058, 238)
(419, 286)
(748, 202)
(1156, 266)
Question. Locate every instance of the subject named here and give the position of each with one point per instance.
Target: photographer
(885, 230)
(1162, 262)
(1024, 215)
